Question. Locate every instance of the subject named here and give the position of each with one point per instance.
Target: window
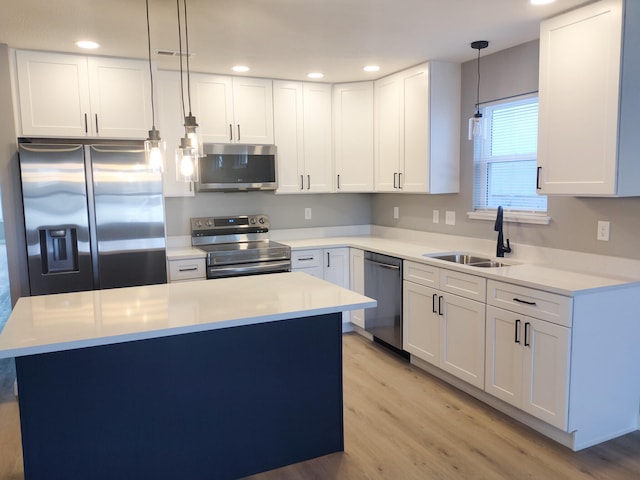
(505, 159)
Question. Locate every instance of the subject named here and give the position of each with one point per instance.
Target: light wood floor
(401, 423)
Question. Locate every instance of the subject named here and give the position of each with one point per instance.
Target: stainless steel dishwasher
(383, 281)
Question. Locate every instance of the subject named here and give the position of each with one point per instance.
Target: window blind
(505, 158)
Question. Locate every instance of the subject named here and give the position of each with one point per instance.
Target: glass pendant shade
(155, 151)
(187, 159)
(195, 139)
(476, 127)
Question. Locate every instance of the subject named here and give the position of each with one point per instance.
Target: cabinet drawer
(191, 269)
(529, 301)
(421, 274)
(463, 284)
(306, 259)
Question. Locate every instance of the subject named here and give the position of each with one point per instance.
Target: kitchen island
(206, 379)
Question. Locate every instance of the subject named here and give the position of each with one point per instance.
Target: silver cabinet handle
(238, 132)
(308, 182)
(394, 179)
(187, 269)
(328, 259)
(338, 181)
(86, 124)
(305, 259)
(301, 182)
(230, 132)
(97, 129)
(400, 181)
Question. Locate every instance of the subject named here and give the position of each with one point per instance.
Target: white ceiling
(282, 38)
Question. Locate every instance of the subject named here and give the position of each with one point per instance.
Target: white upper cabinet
(302, 124)
(417, 130)
(353, 136)
(589, 105)
(232, 110)
(76, 96)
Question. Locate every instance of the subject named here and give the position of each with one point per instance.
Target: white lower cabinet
(442, 328)
(186, 269)
(356, 282)
(527, 364)
(330, 264)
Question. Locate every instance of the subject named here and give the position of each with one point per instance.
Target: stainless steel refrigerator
(94, 216)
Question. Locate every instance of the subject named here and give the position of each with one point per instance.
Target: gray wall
(10, 183)
(285, 211)
(574, 220)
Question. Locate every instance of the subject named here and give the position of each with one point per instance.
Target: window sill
(512, 217)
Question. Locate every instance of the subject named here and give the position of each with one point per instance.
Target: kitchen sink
(467, 259)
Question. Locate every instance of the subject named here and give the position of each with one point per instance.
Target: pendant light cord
(186, 36)
(180, 53)
(153, 111)
(478, 86)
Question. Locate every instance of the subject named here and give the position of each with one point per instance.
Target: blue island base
(218, 404)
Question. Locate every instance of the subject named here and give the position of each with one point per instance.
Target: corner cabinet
(302, 123)
(417, 130)
(330, 264)
(588, 143)
(62, 95)
(353, 136)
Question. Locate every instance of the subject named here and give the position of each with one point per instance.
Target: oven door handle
(248, 268)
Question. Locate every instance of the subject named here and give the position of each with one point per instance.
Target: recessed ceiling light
(371, 68)
(88, 44)
(240, 68)
(541, 2)
(315, 75)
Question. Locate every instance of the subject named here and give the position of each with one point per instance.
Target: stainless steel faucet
(501, 247)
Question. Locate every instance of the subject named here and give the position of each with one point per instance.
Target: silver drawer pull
(305, 259)
(187, 269)
(523, 301)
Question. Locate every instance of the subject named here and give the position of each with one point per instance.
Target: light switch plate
(603, 231)
(436, 216)
(396, 212)
(450, 217)
(307, 213)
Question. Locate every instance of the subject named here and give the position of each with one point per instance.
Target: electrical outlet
(603, 231)
(450, 217)
(307, 213)
(396, 212)
(436, 216)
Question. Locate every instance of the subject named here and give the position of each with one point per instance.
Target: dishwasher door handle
(384, 265)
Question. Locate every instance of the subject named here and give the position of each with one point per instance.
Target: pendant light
(154, 147)
(476, 125)
(190, 149)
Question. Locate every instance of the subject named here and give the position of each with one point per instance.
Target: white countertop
(51, 323)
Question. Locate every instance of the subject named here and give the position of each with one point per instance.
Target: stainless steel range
(239, 245)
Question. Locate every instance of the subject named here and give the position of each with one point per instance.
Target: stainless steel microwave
(237, 167)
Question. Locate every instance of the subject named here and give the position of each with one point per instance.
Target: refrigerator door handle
(93, 234)
(46, 149)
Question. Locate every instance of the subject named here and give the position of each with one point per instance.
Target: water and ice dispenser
(59, 249)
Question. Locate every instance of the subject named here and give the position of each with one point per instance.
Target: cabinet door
(53, 91)
(463, 338)
(546, 371)
(288, 127)
(421, 322)
(353, 136)
(503, 372)
(212, 105)
(356, 282)
(578, 100)
(389, 128)
(120, 93)
(317, 137)
(336, 266)
(415, 161)
(253, 110)
(170, 122)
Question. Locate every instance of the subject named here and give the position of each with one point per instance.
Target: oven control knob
(252, 220)
(209, 223)
(199, 224)
(261, 220)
